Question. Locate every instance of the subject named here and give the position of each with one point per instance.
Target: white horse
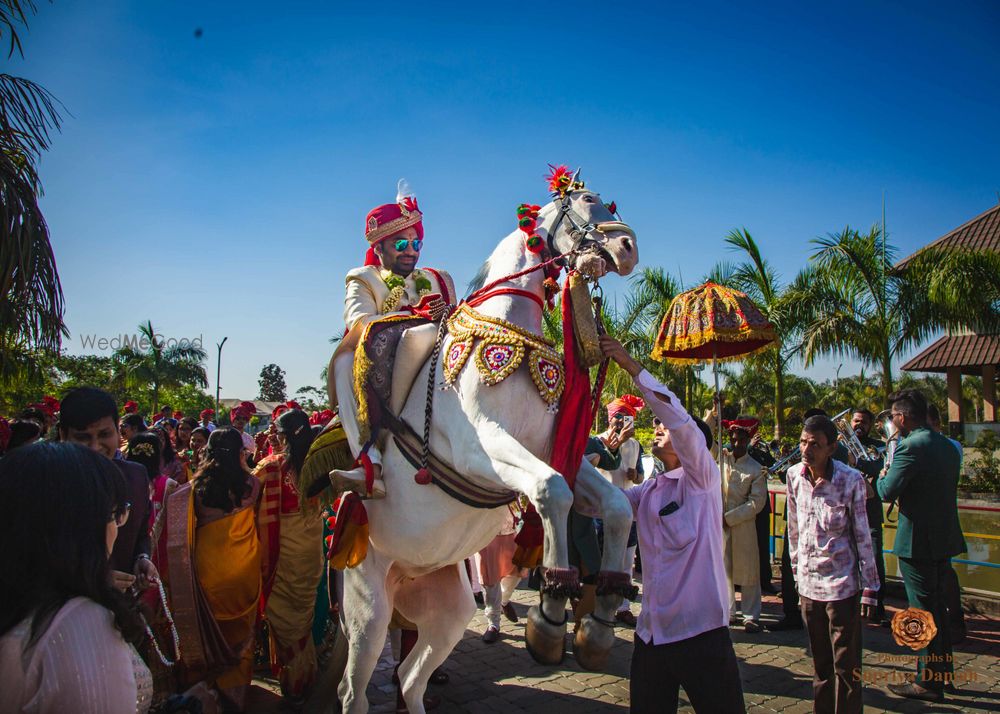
(500, 436)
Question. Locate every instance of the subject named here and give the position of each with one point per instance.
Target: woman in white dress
(65, 631)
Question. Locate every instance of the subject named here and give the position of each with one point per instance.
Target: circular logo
(913, 628)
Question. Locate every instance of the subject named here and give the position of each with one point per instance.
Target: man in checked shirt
(830, 547)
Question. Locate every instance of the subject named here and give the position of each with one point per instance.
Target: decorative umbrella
(712, 322)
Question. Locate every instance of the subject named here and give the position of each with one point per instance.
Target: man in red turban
(239, 417)
(206, 419)
(388, 282)
(620, 440)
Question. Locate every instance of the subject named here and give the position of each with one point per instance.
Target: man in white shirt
(239, 417)
(682, 636)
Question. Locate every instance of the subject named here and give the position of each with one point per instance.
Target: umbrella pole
(718, 403)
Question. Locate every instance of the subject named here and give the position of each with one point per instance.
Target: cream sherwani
(744, 490)
(365, 299)
(367, 292)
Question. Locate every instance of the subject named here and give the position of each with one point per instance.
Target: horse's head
(579, 223)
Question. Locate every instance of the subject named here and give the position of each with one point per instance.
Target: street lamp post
(218, 373)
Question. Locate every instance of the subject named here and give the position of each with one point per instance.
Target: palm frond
(29, 114)
(12, 14)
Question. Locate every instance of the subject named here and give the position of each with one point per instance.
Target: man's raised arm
(685, 435)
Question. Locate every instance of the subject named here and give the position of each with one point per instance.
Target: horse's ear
(576, 179)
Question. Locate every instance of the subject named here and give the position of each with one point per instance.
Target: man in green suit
(923, 479)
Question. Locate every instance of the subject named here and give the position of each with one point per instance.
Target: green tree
(186, 398)
(313, 399)
(31, 311)
(655, 289)
(852, 304)
(156, 365)
(272, 383)
(633, 320)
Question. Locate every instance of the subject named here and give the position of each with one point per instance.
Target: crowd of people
(153, 536)
(151, 564)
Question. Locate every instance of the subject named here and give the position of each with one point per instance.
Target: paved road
(775, 667)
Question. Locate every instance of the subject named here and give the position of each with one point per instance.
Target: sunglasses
(400, 245)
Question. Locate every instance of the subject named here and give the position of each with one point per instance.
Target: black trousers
(705, 665)
(835, 638)
(953, 601)
(789, 595)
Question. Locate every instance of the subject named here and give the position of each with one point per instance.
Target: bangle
(142, 556)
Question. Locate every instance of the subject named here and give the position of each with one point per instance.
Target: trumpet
(851, 440)
(784, 462)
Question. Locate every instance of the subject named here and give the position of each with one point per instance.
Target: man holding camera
(923, 480)
(619, 438)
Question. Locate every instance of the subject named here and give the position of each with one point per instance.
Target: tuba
(851, 440)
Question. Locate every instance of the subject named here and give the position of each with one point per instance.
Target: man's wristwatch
(141, 556)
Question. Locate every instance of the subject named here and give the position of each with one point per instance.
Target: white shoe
(354, 480)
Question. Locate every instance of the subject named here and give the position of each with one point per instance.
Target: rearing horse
(499, 436)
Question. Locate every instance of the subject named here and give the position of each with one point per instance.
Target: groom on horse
(388, 283)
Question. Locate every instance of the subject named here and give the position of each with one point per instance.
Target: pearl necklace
(173, 631)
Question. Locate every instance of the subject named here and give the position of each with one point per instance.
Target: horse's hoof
(592, 644)
(546, 642)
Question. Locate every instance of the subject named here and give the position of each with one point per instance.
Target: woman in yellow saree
(214, 568)
(291, 535)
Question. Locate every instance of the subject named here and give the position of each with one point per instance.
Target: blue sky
(218, 185)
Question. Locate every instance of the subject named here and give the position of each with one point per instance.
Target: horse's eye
(588, 199)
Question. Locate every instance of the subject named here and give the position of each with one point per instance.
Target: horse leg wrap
(610, 582)
(561, 583)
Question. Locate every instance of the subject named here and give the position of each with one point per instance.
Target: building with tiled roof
(968, 353)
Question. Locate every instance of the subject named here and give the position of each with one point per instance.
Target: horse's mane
(479, 279)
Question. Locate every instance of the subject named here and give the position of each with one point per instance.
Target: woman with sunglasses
(66, 632)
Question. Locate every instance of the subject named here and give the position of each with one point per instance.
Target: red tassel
(423, 477)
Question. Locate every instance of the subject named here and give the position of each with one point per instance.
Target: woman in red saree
(213, 557)
(291, 534)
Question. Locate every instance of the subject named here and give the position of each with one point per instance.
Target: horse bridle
(583, 232)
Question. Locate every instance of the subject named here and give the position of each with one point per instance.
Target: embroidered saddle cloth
(374, 361)
(498, 349)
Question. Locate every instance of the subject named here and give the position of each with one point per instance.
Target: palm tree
(157, 365)
(31, 312)
(757, 278)
(852, 304)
